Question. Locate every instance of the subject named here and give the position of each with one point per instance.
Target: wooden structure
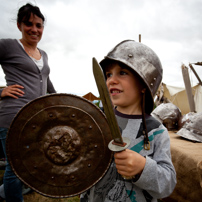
(188, 87)
(91, 97)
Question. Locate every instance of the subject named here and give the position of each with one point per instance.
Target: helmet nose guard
(142, 60)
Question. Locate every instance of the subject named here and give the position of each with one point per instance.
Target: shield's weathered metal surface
(58, 145)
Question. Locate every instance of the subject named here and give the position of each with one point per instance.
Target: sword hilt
(117, 147)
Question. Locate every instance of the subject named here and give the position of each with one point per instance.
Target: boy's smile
(114, 91)
(124, 89)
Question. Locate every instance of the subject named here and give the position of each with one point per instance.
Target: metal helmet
(191, 127)
(168, 114)
(142, 60)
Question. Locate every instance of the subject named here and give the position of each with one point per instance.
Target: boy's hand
(12, 91)
(129, 163)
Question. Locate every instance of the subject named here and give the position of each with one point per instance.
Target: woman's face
(32, 30)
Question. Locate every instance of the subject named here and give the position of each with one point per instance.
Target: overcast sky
(78, 30)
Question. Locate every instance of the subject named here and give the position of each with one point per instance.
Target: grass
(35, 197)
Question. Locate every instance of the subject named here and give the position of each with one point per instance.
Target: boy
(133, 73)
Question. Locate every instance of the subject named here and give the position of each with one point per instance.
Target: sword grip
(127, 177)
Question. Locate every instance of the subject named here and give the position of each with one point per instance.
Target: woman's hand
(129, 163)
(12, 91)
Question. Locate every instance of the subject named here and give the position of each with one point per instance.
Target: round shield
(58, 145)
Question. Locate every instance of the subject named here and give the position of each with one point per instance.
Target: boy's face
(124, 89)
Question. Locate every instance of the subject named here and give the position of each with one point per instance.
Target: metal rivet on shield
(130, 55)
(33, 126)
(50, 115)
(90, 127)
(89, 165)
(151, 84)
(73, 115)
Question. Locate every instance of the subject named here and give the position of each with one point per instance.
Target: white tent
(178, 97)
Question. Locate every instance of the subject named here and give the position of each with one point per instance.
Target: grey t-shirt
(158, 178)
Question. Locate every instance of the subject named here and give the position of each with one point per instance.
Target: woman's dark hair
(25, 11)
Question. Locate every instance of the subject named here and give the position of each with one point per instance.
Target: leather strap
(145, 133)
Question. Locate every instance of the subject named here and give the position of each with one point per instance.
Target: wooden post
(187, 83)
(140, 38)
(192, 68)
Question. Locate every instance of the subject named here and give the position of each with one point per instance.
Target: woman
(27, 76)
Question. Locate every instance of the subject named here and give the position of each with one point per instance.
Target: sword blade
(107, 104)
